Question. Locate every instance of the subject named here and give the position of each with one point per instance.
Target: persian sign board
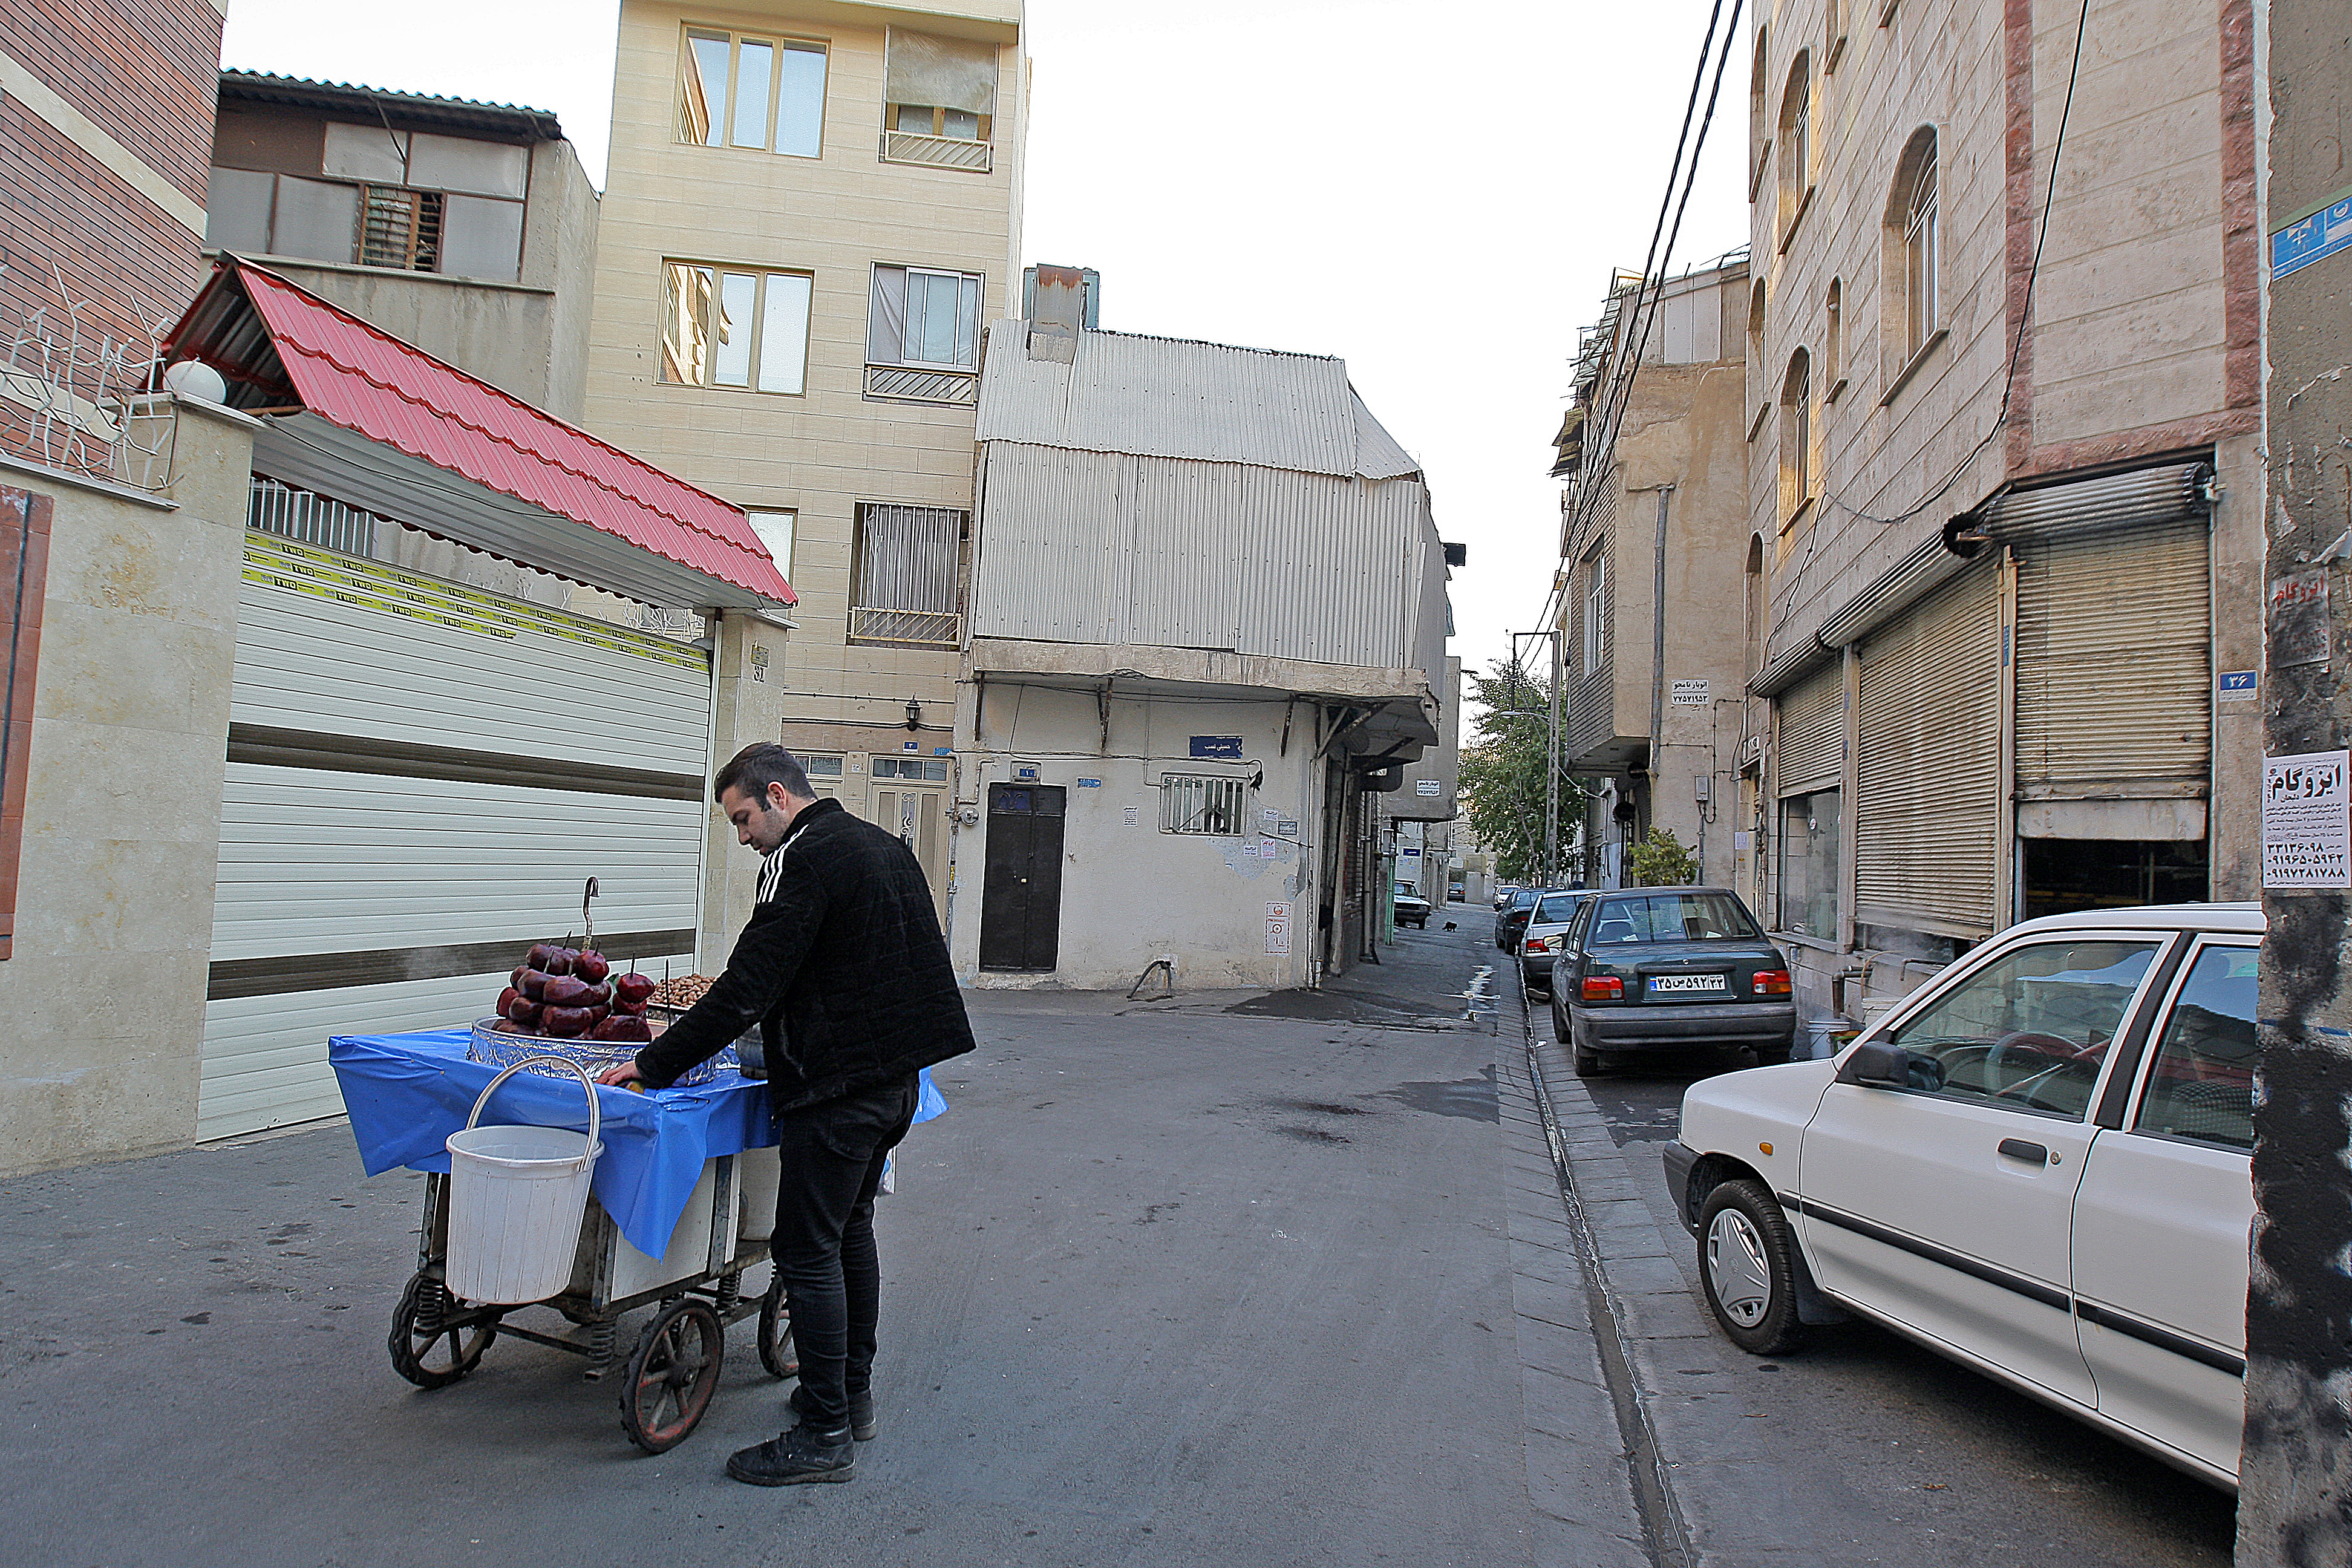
(2306, 828)
(1690, 694)
(1225, 746)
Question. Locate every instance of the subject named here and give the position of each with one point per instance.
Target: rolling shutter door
(1812, 733)
(2114, 663)
(421, 778)
(1928, 778)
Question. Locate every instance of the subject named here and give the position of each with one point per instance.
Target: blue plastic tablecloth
(407, 1092)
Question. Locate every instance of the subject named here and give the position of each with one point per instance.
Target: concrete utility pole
(2295, 1503)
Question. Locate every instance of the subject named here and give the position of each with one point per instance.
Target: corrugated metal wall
(1098, 547)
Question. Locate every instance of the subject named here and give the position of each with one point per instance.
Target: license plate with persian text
(1661, 985)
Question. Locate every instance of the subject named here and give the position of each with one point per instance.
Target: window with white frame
(1796, 437)
(734, 327)
(929, 770)
(1196, 804)
(1910, 318)
(1796, 144)
(908, 591)
(739, 91)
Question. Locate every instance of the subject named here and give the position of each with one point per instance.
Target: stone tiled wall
(104, 990)
(822, 452)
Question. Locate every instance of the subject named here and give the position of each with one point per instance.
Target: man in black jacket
(843, 968)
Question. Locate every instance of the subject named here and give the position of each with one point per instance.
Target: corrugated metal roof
(1165, 397)
(368, 382)
(459, 113)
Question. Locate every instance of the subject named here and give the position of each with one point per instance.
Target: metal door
(1021, 897)
(917, 815)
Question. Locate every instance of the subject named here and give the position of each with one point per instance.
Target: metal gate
(1927, 763)
(421, 777)
(1020, 895)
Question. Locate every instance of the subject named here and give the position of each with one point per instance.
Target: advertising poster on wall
(2306, 825)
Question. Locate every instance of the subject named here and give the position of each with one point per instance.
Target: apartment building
(1653, 525)
(2003, 398)
(812, 207)
(1208, 646)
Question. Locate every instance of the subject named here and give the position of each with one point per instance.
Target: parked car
(1511, 916)
(1455, 895)
(2036, 1165)
(1546, 934)
(1412, 909)
(1651, 969)
(1503, 895)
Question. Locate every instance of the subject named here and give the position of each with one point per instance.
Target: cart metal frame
(672, 1368)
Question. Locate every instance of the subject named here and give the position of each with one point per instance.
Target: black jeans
(833, 1155)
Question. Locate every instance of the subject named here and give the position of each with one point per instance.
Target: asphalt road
(1231, 1279)
(1880, 1451)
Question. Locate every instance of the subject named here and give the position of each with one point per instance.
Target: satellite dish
(195, 378)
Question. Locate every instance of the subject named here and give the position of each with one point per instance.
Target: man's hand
(623, 1075)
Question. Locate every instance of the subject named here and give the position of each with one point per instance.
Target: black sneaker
(798, 1456)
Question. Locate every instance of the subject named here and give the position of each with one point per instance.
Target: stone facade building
(1653, 523)
(2002, 400)
(811, 209)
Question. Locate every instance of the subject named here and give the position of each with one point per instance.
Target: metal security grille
(2114, 662)
(909, 562)
(280, 509)
(1200, 806)
(401, 228)
(1927, 763)
(1812, 731)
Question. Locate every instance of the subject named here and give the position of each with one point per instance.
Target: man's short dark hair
(755, 767)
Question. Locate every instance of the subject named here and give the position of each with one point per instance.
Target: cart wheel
(776, 1334)
(671, 1374)
(423, 1351)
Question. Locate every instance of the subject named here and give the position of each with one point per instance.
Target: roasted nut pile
(683, 991)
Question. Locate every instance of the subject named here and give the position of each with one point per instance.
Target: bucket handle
(595, 1119)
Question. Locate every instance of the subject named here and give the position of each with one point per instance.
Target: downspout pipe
(1658, 643)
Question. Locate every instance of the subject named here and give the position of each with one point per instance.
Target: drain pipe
(1658, 645)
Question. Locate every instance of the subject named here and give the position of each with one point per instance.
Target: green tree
(1661, 861)
(1503, 772)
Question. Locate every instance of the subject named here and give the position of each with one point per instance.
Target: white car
(2038, 1164)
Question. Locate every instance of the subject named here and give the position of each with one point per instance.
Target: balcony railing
(936, 152)
(911, 385)
(905, 628)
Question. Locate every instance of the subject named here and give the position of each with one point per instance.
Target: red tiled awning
(365, 381)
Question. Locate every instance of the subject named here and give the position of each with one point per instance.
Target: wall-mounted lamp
(914, 714)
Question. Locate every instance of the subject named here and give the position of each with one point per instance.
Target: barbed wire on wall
(82, 400)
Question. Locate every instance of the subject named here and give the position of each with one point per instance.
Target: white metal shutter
(1927, 763)
(2113, 660)
(421, 777)
(1812, 753)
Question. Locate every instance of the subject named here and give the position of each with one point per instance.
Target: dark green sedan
(1653, 969)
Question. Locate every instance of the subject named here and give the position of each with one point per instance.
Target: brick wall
(61, 208)
(147, 72)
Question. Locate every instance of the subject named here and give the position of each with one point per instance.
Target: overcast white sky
(1437, 195)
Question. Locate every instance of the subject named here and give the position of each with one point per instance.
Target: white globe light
(195, 378)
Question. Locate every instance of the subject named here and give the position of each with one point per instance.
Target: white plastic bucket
(517, 1195)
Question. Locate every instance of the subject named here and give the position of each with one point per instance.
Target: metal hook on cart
(587, 921)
